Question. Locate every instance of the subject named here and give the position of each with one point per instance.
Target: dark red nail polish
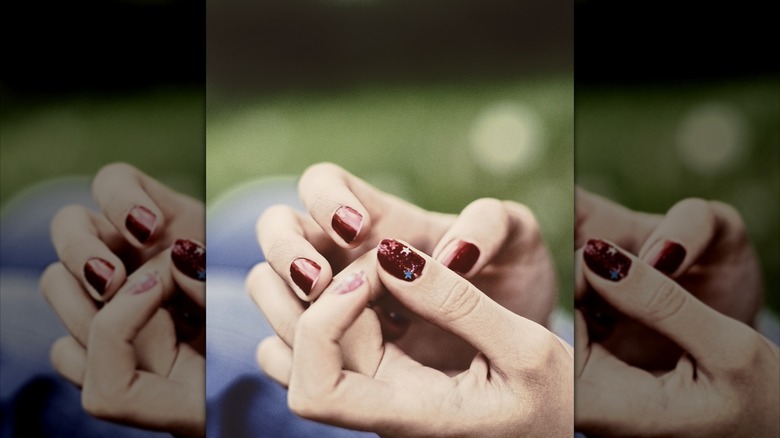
(399, 260)
(670, 257)
(606, 260)
(190, 258)
(141, 223)
(352, 282)
(347, 223)
(98, 273)
(463, 257)
(146, 283)
(304, 273)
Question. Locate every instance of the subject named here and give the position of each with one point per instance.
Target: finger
(682, 236)
(189, 269)
(319, 388)
(133, 202)
(276, 300)
(69, 359)
(275, 358)
(475, 237)
(76, 234)
(286, 238)
(444, 298)
(643, 293)
(599, 218)
(113, 387)
(66, 296)
(335, 200)
(362, 346)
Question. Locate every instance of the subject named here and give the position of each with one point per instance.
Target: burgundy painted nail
(98, 273)
(399, 260)
(141, 223)
(669, 257)
(304, 273)
(146, 283)
(190, 258)
(463, 257)
(347, 223)
(352, 282)
(606, 260)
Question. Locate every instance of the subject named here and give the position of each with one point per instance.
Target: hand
(702, 245)
(139, 217)
(726, 384)
(519, 384)
(105, 350)
(496, 245)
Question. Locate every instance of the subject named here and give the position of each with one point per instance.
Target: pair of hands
(663, 343)
(130, 289)
(394, 321)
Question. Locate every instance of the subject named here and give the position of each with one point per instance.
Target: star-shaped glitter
(611, 251)
(408, 274)
(406, 251)
(201, 275)
(614, 274)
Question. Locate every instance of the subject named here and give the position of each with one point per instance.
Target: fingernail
(347, 222)
(141, 222)
(606, 260)
(190, 258)
(98, 273)
(352, 282)
(462, 258)
(304, 273)
(147, 282)
(667, 256)
(399, 260)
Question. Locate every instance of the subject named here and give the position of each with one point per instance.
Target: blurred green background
(158, 131)
(649, 146)
(439, 102)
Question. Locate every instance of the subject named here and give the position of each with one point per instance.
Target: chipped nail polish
(190, 258)
(98, 274)
(463, 257)
(141, 223)
(146, 283)
(669, 257)
(304, 273)
(399, 260)
(352, 282)
(347, 223)
(606, 260)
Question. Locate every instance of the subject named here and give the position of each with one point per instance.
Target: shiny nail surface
(399, 260)
(141, 223)
(190, 258)
(606, 260)
(304, 273)
(463, 257)
(98, 274)
(347, 223)
(669, 257)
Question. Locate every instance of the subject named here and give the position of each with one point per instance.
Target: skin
(514, 267)
(721, 268)
(126, 356)
(518, 385)
(727, 383)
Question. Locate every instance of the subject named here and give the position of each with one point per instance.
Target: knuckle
(662, 301)
(304, 404)
(458, 301)
(97, 404)
(313, 173)
(113, 169)
(744, 352)
(524, 220)
(271, 215)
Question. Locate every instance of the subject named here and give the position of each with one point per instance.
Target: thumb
(449, 301)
